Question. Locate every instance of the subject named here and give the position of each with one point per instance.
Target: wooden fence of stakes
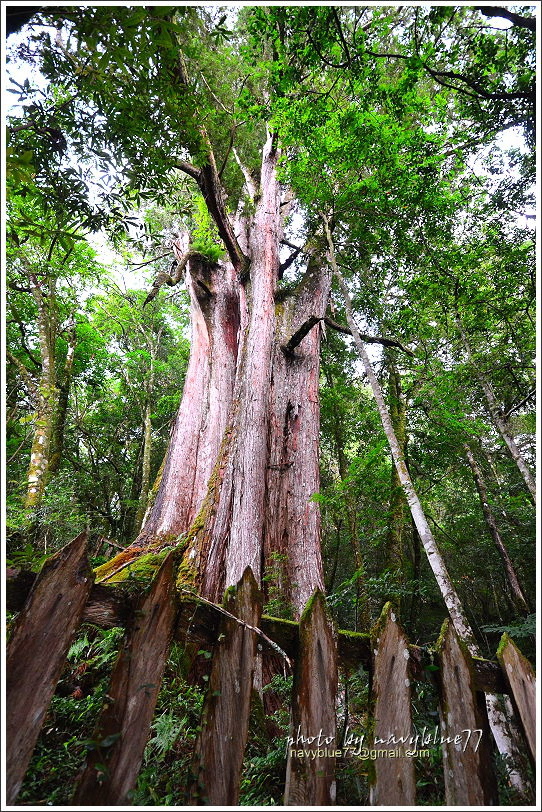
(53, 604)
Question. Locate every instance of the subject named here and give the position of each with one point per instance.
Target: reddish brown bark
(202, 417)
(292, 528)
(243, 459)
(37, 650)
(112, 766)
(221, 743)
(207, 394)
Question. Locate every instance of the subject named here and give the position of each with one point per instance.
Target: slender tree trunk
(496, 414)
(362, 618)
(497, 719)
(47, 395)
(451, 599)
(416, 570)
(518, 595)
(395, 550)
(145, 467)
(61, 412)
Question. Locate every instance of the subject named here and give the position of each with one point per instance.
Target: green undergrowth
(264, 767)
(166, 767)
(67, 732)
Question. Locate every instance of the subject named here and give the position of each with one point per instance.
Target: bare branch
(177, 267)
(519, 405)
(300, 334)
(292, 258)
(223, 611)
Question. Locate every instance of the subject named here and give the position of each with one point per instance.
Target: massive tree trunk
(242, 462)
(242, 465)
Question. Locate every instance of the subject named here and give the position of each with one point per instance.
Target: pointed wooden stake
(468, 768)
(395, 783)
(112, 766)
(37, 651)
(310, 779)
(221, 744)
(520, 677)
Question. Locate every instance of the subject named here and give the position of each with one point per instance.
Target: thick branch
(293, 256)
(439, 76)
(519, 405)
(516, 19)
(169, 279)
(300, 334)
(211, 189)
(476, 87)
(25, 374)
(208, 180)
(189, 169)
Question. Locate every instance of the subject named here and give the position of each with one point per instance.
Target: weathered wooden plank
(394, 781)
(112, 606)
(468, 768)
(37, 650)
(221, 743)
(521, 679)
(111, 768)
(310, 771)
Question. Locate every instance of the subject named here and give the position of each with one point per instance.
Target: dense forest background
(406, 132)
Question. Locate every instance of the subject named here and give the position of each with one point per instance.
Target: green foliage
(264, 767)
(64, 738)
(273, 580)
(520, 629)
(205, 239)
(167, 762)
(28, 559)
